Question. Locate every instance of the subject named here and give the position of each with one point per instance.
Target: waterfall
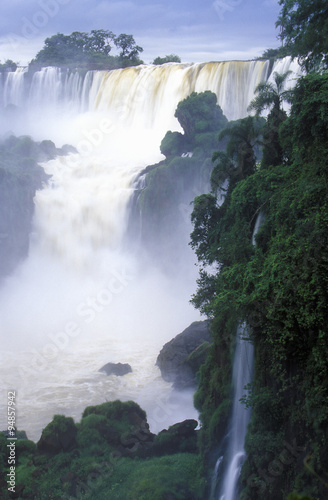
(140, 96)
(82, 298)
(242, 375)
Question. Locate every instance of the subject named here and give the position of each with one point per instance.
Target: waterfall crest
(148, 94)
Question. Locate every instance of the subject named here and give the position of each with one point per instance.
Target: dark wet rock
(117, 369)
(181, 358)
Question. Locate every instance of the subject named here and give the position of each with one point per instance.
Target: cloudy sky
(196, 30)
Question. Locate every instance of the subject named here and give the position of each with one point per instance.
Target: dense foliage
(167, 59)
(110, 454)
(280, 289)
(8, 65)
(88, 50)
(304, 31)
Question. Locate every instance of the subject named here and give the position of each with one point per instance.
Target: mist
(84, 296)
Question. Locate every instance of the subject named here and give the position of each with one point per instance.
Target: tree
(99, 41)
(9, 65)
(129, 49)
(273, 53)
(63, 50)
(271, 96)
(167, 59)
(307, 125)
(88, 50)
(239, 161)
(304, 31)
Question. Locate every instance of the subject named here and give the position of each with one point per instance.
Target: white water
(81, 298)
(242, 375)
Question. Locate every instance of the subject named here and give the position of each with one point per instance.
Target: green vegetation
(172, 184)
(109, 454)
(88, 50)
(279, 288)
(199, 114)
(273, 54)
(304, 29)
(201, 119)
(276, 168)
(167, 59)
(272, 96)
(9, 65)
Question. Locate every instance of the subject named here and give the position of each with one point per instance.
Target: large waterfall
(82, 298)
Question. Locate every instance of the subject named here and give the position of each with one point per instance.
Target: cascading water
(82, 298)
(241, 375)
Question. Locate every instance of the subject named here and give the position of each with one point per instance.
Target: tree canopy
(272, 96)
(304, 31)
(88, 50)
(8, 65)
(201, 118)
(199, 113)
(166, 59)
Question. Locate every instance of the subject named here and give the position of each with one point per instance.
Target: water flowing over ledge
(150, 93)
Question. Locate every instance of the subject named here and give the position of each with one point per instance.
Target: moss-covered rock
(59, 435)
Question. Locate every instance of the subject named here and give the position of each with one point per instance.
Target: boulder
(59, 435)
(117, 369)
(181, 358)
(122, 425)
(178, 438)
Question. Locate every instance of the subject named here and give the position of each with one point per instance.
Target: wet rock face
(181, 358)
(118, 369)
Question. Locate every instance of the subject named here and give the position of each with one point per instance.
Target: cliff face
(20, 177)
(160, 216)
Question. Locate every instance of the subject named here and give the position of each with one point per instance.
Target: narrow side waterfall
(82, 298)
(242, 375)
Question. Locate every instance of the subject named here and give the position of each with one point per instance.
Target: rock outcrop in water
(181, 358)
(118, 369)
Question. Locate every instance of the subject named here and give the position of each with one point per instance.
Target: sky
(196, 30)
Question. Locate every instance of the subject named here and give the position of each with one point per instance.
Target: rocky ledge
(181, 358)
